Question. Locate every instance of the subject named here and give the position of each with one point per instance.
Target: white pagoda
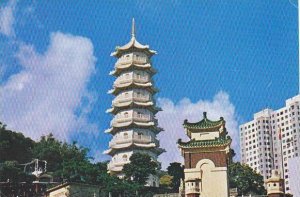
(134, 127)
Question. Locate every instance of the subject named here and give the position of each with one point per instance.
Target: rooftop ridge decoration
(205, 123)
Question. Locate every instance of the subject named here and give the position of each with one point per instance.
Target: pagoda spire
(133, 29)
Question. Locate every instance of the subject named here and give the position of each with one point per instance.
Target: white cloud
(7, 18)
(45, 95)
(173, 115)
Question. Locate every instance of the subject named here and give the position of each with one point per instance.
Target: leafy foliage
(14, 146)
(177, 172)
(245, 180)
(10, 171)
(139, 168)
(165, 181)
(65, 161)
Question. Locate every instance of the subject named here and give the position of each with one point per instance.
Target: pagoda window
(125, 135)
(138, 75)
(138, 94)
(139, 115)
(124, 157)
(126, 94)
(140, 135)
(127, 75)
(126, 114)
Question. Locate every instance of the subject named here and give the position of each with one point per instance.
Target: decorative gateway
(206, 158)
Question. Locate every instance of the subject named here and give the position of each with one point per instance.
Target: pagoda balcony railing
(135, 139)
(122, 81)
(119, 100)
(116, 163)
(144, 118)
(134, 59)
(192, 190)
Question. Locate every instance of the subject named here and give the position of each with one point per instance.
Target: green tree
(49, 149)
(15, 149)
(245, 180)
(165, 181)
(11, 171)
(140, 168)
(14, 146)
(177, 172)
(65, 161)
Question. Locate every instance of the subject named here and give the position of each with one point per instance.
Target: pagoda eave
(153, 128)
(204, 144)
(130, 146)
(148, 87)
(133, 47)
(119, 69)
(133, 123)
(150, 106)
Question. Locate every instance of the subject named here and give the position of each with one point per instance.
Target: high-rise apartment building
(271, 139)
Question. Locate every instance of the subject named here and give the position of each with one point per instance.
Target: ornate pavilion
(206, 158)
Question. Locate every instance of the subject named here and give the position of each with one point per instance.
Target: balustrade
(142, 139)
(135, 78)
(123, 99)
(132, 59)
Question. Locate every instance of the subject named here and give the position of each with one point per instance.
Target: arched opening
(124, 157)
(126, 114)
(140, 135)
(139, 115)
(125, 135)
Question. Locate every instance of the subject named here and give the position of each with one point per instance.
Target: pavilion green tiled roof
(205, 143)
(205, 123)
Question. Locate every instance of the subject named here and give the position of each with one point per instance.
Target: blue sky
(230, 58)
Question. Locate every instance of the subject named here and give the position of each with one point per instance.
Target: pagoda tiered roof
(224, 141)
(119, 68)
(133, 104)
(152, 147)
(147, 86)
(153, 127)
(204, 124)
(133, 44)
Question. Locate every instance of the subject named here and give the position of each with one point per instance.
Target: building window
(140, 135)
(139, 115)
(125, 135)
(124, 157)
(126, 114)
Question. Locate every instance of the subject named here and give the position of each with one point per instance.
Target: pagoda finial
(204, 115)
(133, 28)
